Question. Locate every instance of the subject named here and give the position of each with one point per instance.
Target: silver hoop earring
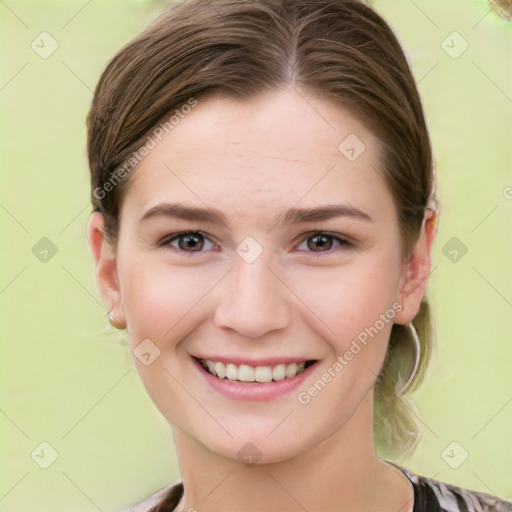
(417, 351)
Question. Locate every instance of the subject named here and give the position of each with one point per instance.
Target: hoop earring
(113, 323)
(417, 351)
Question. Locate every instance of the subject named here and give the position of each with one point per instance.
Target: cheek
(345, 300)
(160, 300)
(353, 306)
(163, 304)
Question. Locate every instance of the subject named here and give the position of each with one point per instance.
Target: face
(251, 245)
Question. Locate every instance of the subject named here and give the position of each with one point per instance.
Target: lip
(255, 391)
(269, 361)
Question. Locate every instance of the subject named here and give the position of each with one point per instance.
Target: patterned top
(429, 496)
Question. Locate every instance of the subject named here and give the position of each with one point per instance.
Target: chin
(255, 447)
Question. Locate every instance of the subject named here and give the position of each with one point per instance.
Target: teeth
(263, 374)
(246, 373)
(220, 370)
(231, 371)
(291, 370)
(279, 372)
(211, 367)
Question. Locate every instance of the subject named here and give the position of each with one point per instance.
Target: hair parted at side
(340, 50)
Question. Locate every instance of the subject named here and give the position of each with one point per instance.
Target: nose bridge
(253, 299)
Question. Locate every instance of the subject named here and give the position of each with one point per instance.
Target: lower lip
(254, 391)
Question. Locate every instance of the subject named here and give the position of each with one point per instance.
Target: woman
(264, 212)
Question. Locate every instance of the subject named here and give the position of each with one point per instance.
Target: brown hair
(340, 50)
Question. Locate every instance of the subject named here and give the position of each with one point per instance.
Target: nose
(253, 299)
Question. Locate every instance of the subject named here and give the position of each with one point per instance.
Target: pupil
(189, 241)
(320, 241)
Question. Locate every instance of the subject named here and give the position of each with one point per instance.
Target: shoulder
(435, 496)
(164, 500)
(429, 496)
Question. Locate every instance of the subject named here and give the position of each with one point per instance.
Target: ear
(416, 270)
(106, 269)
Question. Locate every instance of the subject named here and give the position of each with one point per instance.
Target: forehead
(271, 151)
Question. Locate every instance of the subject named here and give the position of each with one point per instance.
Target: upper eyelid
(344, 240)
(174, 236)
(166, 240)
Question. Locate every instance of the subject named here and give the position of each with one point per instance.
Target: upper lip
(268, 361)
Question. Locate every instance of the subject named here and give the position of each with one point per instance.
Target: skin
(253, 160)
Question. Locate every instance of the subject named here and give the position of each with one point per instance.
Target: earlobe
(416, 271)
(106, 269)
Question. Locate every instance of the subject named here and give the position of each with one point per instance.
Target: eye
(187, 241)
(323, 242)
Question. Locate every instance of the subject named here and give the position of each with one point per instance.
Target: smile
(247, 373)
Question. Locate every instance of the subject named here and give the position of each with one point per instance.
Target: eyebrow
(291, 216)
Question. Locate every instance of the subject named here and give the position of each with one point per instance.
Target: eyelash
(166, 242)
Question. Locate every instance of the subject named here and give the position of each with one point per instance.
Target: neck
(342, 472)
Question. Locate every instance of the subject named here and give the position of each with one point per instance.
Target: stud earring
(114, 323)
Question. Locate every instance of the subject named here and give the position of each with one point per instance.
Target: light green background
(67, 382)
